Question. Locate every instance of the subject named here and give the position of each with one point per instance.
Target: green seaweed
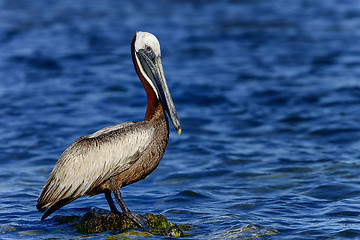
(97, 221)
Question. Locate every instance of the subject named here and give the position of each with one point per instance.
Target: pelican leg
(137, 218)
(112, 206)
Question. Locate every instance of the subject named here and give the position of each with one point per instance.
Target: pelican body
(119, 155)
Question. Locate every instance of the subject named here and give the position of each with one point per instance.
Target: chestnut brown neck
(154, 106)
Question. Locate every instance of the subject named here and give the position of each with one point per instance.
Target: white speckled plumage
(94, 158)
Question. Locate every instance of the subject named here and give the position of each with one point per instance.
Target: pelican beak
(153, 67)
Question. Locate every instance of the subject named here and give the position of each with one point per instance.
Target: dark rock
(97, 221)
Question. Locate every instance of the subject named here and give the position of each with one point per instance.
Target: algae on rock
(97, 221)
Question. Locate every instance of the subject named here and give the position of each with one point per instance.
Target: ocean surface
(267, 92)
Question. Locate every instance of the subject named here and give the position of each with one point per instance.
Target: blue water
(268, 94)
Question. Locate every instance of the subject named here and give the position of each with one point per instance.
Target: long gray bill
(155, 72)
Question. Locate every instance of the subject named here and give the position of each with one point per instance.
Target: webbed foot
(138, 219)
(113, 213)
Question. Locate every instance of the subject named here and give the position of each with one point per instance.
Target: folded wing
(93, 159)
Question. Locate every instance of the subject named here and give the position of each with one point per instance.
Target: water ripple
(267, 93)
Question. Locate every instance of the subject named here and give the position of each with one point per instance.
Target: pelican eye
(148, 49)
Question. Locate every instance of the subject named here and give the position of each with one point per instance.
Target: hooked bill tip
(178, 131)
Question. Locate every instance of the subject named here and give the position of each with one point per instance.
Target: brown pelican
(119, 155)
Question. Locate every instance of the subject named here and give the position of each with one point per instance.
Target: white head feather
(145, 39)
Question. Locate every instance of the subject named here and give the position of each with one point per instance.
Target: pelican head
(147, 54)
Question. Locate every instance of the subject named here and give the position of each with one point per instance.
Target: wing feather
(93, 159)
